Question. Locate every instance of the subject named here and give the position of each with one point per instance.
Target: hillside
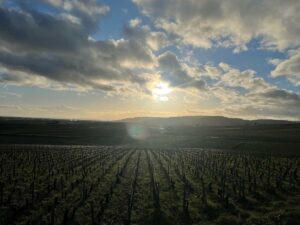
(201, 121)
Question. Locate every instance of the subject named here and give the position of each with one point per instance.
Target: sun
(161, 91)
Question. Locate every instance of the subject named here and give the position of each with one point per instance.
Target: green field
(44, 184)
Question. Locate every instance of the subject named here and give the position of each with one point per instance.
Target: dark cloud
(176, 73)
(198, 84)
(50, 46)
(59, 47)
(173, 72)
(282, 95)
(155, 40)
(275, 102)
(39, 31)
(88, 12)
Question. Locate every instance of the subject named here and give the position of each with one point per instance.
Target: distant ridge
(194, 121)
(211, 121)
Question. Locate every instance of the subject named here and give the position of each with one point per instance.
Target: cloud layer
(229, 23)
(37, 45)
(289, 68)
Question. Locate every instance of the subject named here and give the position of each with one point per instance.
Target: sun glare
(161, 91)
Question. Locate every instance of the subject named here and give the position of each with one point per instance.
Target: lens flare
(137, 131)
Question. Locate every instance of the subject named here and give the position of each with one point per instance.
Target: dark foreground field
(59, 172)
(43, 184)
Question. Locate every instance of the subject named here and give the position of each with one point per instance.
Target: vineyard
(53, 185)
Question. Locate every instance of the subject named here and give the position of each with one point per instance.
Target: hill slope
(198, 121)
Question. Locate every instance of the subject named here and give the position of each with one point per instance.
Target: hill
(201, 121)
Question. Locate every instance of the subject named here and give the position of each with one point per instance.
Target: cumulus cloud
(247, 79)
(178, 74)
(258, 93)
(51, 51)
(210, 71)
(154, 39)
(270, 103)
(274, 102)
(289, 68)
(237, 93)
(282, 95)
(39, 48)
(87, 12)
(221, 75)
(228, 23)
(182, 75)
(21, 29)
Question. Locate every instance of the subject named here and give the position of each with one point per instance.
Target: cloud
(208, 76)
(272, 103)
(258, 93)
(24, 30)
(236, 93)
(210, 71)
(228, 23)
(221, 75)
(289, 68)
(279, 96)
(88, 12)
(247, 79)
(154, 39)
(275, 103)
(178, 74)
(46, 50)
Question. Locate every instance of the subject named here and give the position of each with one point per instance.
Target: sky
(114, 59)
